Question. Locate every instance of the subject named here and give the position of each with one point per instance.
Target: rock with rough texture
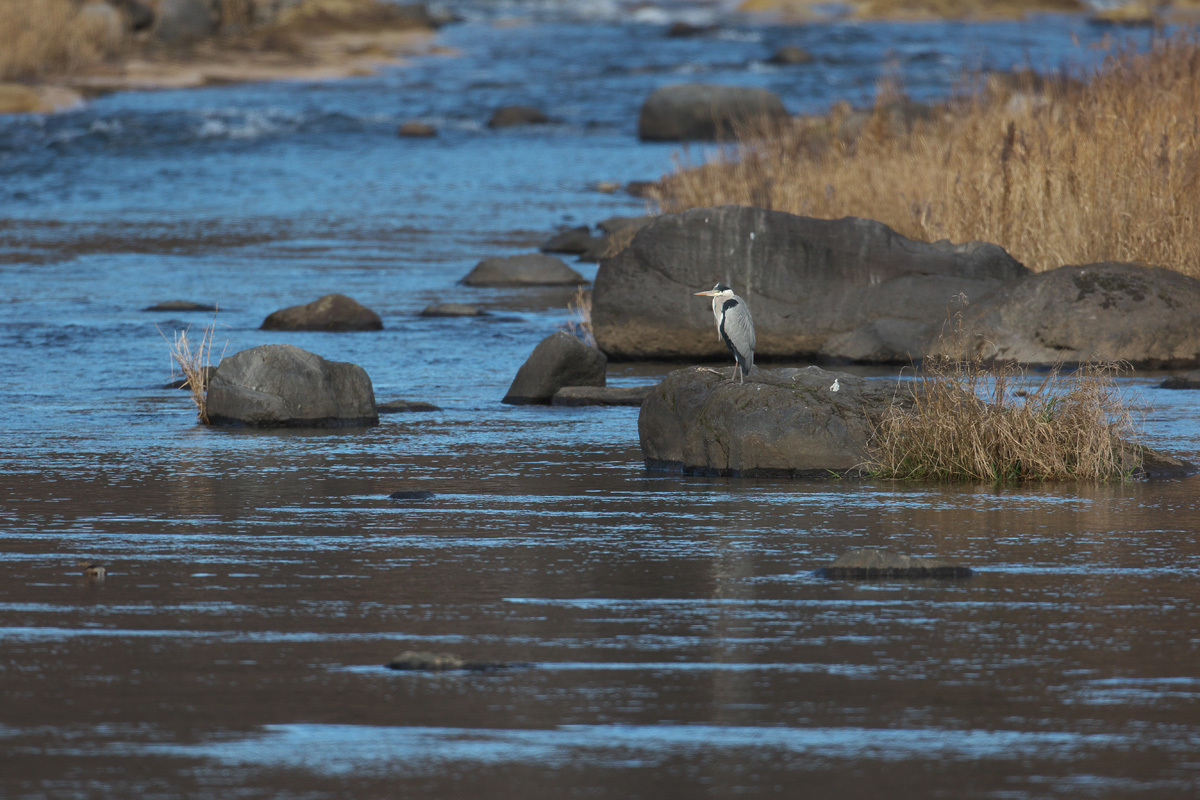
(509, 116)
(573, 241)
(874, 563)
(559, 360)
(187, 20)
(278, 385)
(601, 395)
(847, 289)
(781, 422)
(452, 310)
(423, 661)
(1148, 317)
(333, 312)
(528, 269)
(701, 111)
(1190, 380)
(789, 55)
(416, 130)
(180, 306)
(405, 406)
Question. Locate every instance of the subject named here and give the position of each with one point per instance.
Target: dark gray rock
(1144, 462)
(601, 395)
(178, 306)
(559, 360)
(782, 422)
(333, 312)
(411, 494)
(509, 116)
(1190, 380)
(529, 269)
(875, 563)
(848, 289)
(790, 55)
(278, 385)
(700, 111)
(187, 20)
(405, 407)
(416, 130)
(423, 661)
(1146, 316)
(139, 14)
(452, 310)
(572, 241)
(681, 29)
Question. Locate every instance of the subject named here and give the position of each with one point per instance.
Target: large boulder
(278, 385)
(848, 289)
(528, 269)
(333, 312)
(1147, 316)
(782, 422)
(559, 360)
(702, 111)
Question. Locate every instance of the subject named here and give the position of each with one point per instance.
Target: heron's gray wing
(738, 328)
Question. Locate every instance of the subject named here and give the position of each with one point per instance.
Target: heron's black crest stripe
(728, 304)
(720, 287)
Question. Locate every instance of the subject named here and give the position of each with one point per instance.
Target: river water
(680, 644)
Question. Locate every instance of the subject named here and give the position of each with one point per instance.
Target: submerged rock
(529, 269)
(848, 289)
(416, 130)
(411, 494)
(333, 312)
(1190, 380)
(559, 360)
(781, 422)
(180, 306)
(405, 406)
(790, 54)
(452, 310)
(424, 661)
(278, 385)
(601, 395)
(1146, 316)
(874, 563)
(702, 111)
(509, 116)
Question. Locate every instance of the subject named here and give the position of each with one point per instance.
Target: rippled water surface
(679, 643)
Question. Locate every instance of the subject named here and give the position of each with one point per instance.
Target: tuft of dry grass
(195, 364)
(50, 37)
(1055, 171)
(969, 421)
(580, 323)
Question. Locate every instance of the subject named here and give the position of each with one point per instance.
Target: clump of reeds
(1056, 172)
(580, 323)
(195, 364)
(967, 422)
(50, 37)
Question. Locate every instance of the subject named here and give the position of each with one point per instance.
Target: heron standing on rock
(734, 326)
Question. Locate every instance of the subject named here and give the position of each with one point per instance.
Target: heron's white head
(720, 290)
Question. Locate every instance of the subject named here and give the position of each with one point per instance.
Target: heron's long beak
(709, 293)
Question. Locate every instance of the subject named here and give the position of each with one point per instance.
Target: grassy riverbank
(1056, 172)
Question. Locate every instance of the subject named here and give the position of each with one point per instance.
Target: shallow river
(680, 643)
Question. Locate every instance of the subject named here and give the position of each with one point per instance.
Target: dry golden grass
(580, 323)
(967, 423)
(195, 364)
(50, 37)
(1070, 174)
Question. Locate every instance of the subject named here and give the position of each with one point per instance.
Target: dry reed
(580, 323)
(1055, 171)
(50, 37)
(195, 364)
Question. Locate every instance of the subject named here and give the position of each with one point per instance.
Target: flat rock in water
(1190, 380)
(874, 563)
(411, 494)
(572, 241)
(452, 310)
(847, 289)
(416, 130)
(405, 406)
(702, 111)
(179, 306)
(423, 661)
(790, 55)
(1148, 317)
(278, 385)
(559, 360)
(780, 423)
(508, 116)
(601, 395)
(529, 269)
(333, 312)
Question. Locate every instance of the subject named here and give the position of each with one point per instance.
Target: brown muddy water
(679, 644)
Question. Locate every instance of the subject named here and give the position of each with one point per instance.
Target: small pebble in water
(411, 494)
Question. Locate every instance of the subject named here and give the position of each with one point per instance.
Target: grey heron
(734, 326)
